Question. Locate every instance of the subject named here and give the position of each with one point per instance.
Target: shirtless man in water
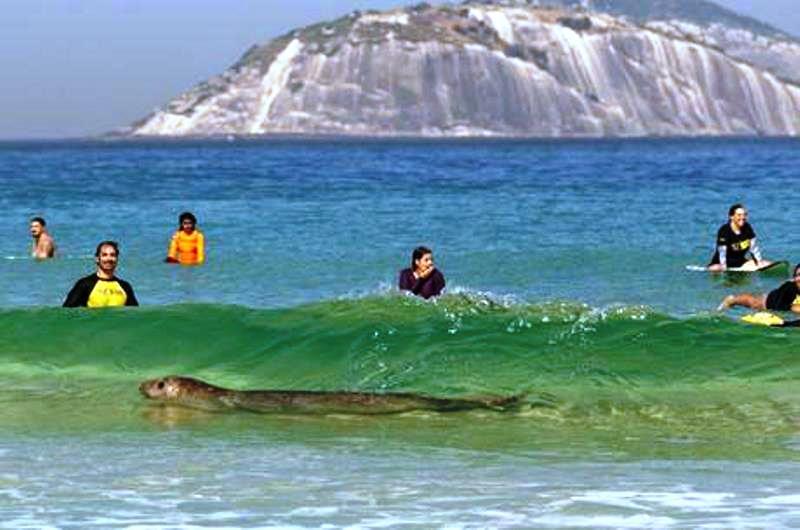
(43, 245)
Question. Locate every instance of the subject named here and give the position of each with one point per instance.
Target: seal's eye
(161, 385)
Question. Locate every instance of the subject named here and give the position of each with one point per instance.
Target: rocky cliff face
(740, 37)
(486, 69)
(775, 54)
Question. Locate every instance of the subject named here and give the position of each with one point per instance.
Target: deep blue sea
(566, 282)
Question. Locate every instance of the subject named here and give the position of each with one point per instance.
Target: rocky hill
(497, 69)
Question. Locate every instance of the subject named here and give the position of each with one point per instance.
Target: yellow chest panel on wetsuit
(741, 245)
(107, 294)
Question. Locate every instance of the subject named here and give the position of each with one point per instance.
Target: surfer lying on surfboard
(784, 298)
(736, 239)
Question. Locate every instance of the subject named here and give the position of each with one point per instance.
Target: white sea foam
(783, 500)
(605, 521)
(314, 511)
(636, 500)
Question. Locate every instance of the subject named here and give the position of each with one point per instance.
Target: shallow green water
(579, 368)
(565, 264)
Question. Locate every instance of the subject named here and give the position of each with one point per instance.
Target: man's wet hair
(417, 254)
(732, 209)
(39, 220)
(187, 215)
(796, 272)
(106, 244)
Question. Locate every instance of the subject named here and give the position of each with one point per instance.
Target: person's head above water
(421, 259)
(187, 222)
(738, 215)
(38, 225)
(106, 256)
(99, 250)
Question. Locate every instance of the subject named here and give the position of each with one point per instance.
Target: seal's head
(175, 388)
(163, 388)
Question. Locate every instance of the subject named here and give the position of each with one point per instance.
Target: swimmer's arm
(409, 283)
(48, 248)
(79, 294)
(427, 282)
(433, 287)
(795, 308)
(201, 248)
(75, 298)
(723, 256)
(405, 282)
(172, 253)
(439, 283)
(430, 285)
(755, 250)
(130, 298)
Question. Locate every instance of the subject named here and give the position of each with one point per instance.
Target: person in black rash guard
(102, 288)
(422, 278)
(735, 240)
(784, 298)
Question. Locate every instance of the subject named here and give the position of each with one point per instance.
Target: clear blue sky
(81, 67)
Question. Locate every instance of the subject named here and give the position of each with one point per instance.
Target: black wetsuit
(735, 246)
(93, 291)
(424, 287)
(784, 297)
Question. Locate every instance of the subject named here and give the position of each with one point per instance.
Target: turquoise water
(565, 264)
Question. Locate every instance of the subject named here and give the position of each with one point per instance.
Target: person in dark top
(102, 288)
(422, 278)
(735, 240)
(784, 298)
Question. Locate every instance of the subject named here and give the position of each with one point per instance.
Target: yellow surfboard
(763, 318)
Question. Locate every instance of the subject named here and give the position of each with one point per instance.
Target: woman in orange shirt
(188, 244)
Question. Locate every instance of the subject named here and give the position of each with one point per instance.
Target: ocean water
(565, 265)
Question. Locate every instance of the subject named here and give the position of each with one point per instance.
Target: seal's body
(197, 394)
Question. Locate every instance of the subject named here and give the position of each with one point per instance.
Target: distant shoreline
(388, 139)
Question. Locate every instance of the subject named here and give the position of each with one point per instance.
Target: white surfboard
(774, 266)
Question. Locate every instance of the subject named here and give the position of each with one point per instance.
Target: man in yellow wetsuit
(187, 246)
(102, 288)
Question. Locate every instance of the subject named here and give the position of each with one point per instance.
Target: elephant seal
(194, 393)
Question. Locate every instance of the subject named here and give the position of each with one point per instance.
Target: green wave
(575, 363)
(457, 344)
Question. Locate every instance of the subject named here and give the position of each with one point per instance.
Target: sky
(82, 67)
